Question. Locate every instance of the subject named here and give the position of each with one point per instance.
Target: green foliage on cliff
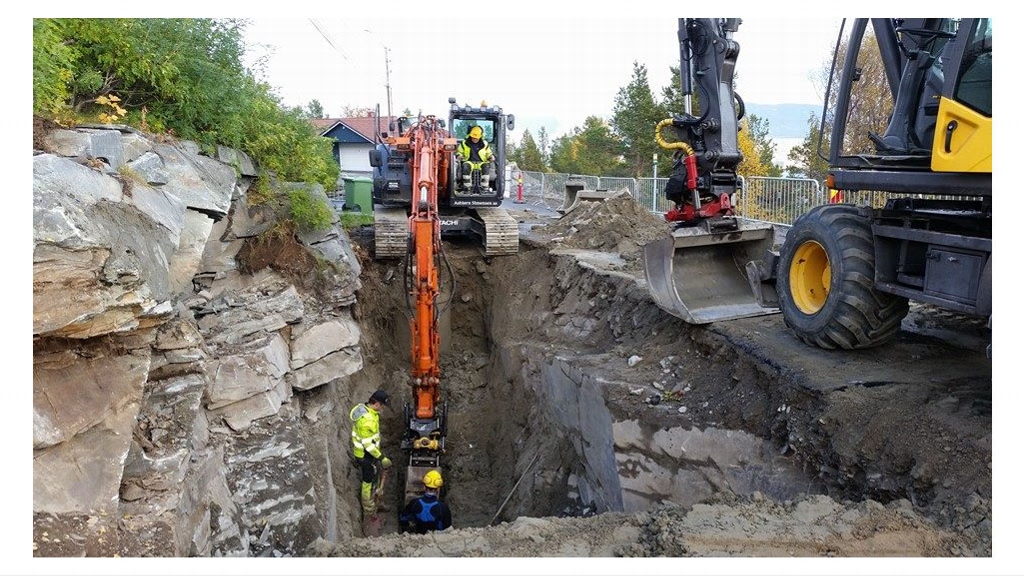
(182, 77)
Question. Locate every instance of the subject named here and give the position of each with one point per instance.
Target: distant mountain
(785, 120)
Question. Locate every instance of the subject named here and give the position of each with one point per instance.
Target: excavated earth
(585, 421)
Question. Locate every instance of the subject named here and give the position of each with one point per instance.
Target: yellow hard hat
(433, 479)
(475, 132)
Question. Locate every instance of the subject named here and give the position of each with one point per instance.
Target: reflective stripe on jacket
(365, 431)
(467, 150)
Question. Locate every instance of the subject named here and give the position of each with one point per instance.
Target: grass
(350, 220)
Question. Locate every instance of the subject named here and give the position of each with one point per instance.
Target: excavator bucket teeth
(700, 276)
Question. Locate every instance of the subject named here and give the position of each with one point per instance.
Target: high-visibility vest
(365, 431)
(485, 152)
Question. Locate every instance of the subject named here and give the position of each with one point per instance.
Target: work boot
(366, 499)
(485, 176)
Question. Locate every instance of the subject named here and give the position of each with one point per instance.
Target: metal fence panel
(778, 200)
(614, 184)
(775, 200)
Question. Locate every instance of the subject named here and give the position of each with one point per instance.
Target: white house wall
(355, 158)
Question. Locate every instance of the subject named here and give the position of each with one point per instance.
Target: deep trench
(544, 417)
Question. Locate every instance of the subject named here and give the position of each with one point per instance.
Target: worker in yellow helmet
(427, 512)
(475, 154)
(365, 419)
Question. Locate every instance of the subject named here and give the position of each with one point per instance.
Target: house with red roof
(353, 139)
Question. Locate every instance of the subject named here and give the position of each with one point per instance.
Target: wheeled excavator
(467, 204)
(844, 273)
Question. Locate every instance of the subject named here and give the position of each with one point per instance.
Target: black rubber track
(854, 315)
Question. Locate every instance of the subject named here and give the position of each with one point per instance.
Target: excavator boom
(426, 147)
(428, 140)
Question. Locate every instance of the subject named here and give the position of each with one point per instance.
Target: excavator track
(501, 232)
(390, 232)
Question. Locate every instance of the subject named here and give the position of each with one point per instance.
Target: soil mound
(617, 225)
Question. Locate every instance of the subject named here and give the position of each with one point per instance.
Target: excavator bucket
(575, 195)
(699, 274)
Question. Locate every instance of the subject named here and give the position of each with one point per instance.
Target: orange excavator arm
(431, 150)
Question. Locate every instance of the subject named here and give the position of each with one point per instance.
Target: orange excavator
(429, 149)
(420, 192)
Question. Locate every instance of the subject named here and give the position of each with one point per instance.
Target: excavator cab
(471, 175)
(478, 184)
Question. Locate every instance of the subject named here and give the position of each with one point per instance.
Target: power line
(327, 37)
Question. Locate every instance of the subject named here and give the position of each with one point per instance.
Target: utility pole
(387, 77)
(387, 69)
(654, 184)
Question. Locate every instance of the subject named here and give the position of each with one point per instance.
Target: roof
(361, 125)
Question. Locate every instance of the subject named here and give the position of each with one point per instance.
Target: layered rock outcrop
(165, 368)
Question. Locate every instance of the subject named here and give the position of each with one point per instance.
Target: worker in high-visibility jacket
(475, 154)
(365, 419)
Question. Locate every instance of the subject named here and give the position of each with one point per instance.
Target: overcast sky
(551, 72)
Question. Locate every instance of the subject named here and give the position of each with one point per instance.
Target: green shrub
(181, 76)
(310, 212)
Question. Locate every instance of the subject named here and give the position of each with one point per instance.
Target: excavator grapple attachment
(699, 274)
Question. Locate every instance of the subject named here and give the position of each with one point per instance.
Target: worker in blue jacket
(427, 512)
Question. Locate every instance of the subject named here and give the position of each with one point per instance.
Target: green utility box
(359, 194)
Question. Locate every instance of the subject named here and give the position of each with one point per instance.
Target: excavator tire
(826, 282)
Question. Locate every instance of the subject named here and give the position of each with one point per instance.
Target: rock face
(169, 387)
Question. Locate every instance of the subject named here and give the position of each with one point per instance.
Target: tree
(348, 111)
(183, 77)
(634, 117)
(529, 155)
(757, 129)
(804, 158)
(53, 65)
(871, 101)
(753, 164)
(871, 105)
(591, 149)
(512, 152)
(544, 141)
(672, 96)
(315, 109)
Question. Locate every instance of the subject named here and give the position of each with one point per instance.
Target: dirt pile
(618, 225)
(815, 526)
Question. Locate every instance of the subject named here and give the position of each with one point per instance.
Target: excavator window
(460, 128)
(975, 86)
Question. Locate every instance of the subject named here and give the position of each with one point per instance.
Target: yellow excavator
(844, 273)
